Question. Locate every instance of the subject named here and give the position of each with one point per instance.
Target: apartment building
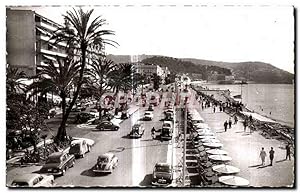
(27, 40)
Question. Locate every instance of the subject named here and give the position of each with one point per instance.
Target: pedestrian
(220, 108)
(288, 151)
(214, 109)
(225, 125)
(245, 125)
(235, 119)
(250, 119)
(153, 132)
(262, 156)
(271, 153)
(230, 122)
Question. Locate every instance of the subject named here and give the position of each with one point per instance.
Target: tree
(61, 79)
(156, 81)
(82, 35)
(13, 80)
(101, 72)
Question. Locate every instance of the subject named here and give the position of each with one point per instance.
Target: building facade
(27, 40)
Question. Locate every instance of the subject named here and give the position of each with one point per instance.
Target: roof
(162, 164)
(108, 155)
(56, 154)
(26, 177)
(76, 141)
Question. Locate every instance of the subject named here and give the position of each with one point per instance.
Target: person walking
(230, 122)
(235, 119)
(153, 132)
(288, 151)
(214, 109)
(271, 153)
(225, 125)
(245, 125)
(262, 156)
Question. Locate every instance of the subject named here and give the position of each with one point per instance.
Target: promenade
(244, 148)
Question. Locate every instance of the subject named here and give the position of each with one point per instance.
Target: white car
(79, 147)
(148, 115)
(106, 163)
(33, 180)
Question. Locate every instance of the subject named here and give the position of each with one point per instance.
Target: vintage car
(108, 125)
(154, 100)
(169, 116)
(106, 163)
(57, 163)
(79, 147)
(148, 115)
(33, 180)
(162, 174)
(124, 115)
(150, 108)
(137, 131)
(166, 133)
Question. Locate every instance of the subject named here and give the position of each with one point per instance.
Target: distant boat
(239, 96)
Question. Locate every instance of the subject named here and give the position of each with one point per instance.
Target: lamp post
(44, 138)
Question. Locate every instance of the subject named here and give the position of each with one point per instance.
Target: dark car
(57, 163)
(162, 174)
(107, 125)
(150, 108)
(137, 131)
(124, 115)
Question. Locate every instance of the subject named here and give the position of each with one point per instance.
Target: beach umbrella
(233, 180)
(210, 140)
(226, 169)
(206, 137)
(202, 125)
(217, 152)
(220, 158)
(213, 145)
(206, 134)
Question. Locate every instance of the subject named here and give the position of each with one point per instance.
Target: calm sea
(272, 100)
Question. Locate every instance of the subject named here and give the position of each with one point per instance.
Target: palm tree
(82, 35)
(61, 79)
(13, 77)
(101, 72)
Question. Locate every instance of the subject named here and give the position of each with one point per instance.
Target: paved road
(137, 157)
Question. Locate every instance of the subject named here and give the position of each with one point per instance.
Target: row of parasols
(207, 144)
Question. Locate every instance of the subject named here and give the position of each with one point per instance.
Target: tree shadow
(246, 134)
(146, 181)
(126, 137)
(240, 132)
(220, 132)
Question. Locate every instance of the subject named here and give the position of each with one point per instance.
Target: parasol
(233, 181)
(220, 158)
(226, 169)
(216, 152)
(213, 145)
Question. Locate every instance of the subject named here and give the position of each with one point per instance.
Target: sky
(219, 33)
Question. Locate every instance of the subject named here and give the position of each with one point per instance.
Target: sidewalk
(244, 148)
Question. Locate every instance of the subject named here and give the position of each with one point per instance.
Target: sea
(275, 101)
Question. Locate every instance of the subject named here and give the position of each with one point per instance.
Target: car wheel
(82, 156)
(116, 128)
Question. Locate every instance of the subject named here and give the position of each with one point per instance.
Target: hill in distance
(257, 72)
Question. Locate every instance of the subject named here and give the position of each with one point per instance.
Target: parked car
(166, 133)
(162, 174)
(33, 180)
(79, 148)
(150, 108)
(106, 163)
(154, 100)
(169, 116)
(148, 115)
(108, 125)
(94, 112)
(137, 131)
(57, 163)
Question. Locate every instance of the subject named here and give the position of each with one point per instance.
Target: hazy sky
(220, 33)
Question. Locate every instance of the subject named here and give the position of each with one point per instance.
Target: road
(137, 157)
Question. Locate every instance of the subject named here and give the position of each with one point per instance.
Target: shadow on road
(126, 137)
(161, 144)
(246, 134)
(239, 131)
(90, 173)
(281, 160)
(254, 166)
(260, 167)
(146, 181)
(220, 131)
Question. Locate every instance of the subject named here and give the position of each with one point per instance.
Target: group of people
(229, 123)
(263, 154)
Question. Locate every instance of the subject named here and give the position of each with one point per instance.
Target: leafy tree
(156, 81)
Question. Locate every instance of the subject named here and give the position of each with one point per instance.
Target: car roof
(76, 141)
(148, 112)
(169, 122)
(56, 154)
(107, 155)
(26, 177)
(137, 125)
(162, 164)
